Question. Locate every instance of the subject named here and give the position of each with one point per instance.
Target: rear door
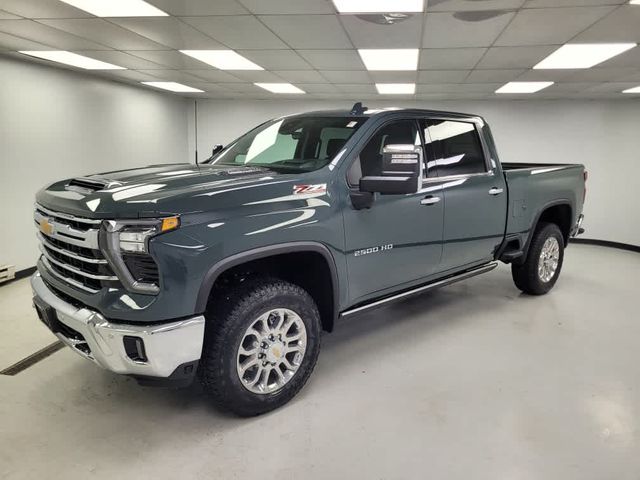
(399, 239)
(474, 192)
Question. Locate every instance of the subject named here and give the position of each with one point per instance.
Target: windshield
(296, 144)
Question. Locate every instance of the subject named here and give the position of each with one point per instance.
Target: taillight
(585, 174)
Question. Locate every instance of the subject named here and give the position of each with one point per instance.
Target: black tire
(231, 313)
(525, 276)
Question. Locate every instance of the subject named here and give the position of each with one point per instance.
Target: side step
(424, 288)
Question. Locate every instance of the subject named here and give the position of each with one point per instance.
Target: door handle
(496, 191)
(429, 200)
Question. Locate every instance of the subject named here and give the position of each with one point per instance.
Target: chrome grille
(70, 250)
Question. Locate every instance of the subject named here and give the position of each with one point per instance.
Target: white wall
(56, 124)
(603, 135)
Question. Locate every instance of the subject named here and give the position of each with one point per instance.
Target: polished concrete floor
(474, 381)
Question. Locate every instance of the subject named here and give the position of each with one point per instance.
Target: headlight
(125, 244)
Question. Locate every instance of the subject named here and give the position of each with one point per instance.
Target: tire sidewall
(549, 230)
(242, 319)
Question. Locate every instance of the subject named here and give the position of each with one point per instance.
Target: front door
(399, 239)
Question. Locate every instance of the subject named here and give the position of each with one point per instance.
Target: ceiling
(468, 48)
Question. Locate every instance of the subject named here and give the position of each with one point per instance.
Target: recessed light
(634, 89)
(117, 8)
(280, 87)
(396, 88)
(72, 59)
(635, 2)
(223, 59)
(390, 58)
(523, 87)
(173, 87)
(582, 55)
(379, 6)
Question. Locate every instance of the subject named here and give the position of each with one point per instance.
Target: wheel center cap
(275, 352)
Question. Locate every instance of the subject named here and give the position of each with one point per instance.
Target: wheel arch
(559, 212)
(328, 305)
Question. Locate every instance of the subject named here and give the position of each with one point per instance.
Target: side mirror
(401, 171)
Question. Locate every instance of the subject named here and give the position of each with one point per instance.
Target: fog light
(134, 348)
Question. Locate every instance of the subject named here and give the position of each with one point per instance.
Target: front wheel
(261, 345)
(540, 271)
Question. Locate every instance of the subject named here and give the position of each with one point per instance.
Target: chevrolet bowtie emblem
(46, 227)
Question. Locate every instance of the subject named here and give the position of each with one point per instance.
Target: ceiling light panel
(396, 88)
(72, 59)
(223, 59)
(397, 59)
(379, 6)
(523, 87)
(584, 55)
(634, 89)
(173, 87)
(279, 87)
(117, 8)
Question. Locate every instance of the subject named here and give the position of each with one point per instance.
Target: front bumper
(167, 348)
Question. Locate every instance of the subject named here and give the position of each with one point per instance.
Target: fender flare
(534, 224)
(264, 252)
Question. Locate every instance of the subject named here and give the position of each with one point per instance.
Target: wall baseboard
(27, 272)
(600, 243)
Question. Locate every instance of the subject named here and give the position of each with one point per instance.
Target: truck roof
(389, 110)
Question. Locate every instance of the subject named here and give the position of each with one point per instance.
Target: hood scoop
(88, 185)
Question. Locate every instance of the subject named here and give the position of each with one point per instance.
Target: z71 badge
(367, 251)
(320, 188)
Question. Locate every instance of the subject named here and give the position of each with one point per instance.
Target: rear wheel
(261, 345)
(540, 271)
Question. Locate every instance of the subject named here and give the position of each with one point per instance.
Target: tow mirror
(401, 171)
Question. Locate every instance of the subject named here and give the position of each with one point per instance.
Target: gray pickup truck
(229, 270)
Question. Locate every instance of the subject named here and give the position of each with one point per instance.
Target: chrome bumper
(166, 346)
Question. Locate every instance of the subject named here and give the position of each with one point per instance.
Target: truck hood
(161, 189)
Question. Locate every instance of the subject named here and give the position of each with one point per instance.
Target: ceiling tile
(42, 9)
(600, 75)
(394, 77)
(120, 58)
(320, 88)
(471, 5)
(365, 34)
(288, 7)
(10, 42)
(333, 59)
(172, 75)
(169, 59)
(300, 76)
(545, 75)
(243, 31)
(104, 32)
(257, 76)
(276, 59)
(46, 35)
(356, 88)
(200, 7)
(442, 76)
(8, 16)
(623, 25)
(549, 26)
(489, 76)
(612, 87)
(308, 31)
(131, 75)
(351, 76)
(633, 77)
(515, 57)
(450, 58)
(459, 88)
(242, 87)
(468, 33)
(570, 3)
(630, 58)
(210, 87)
(168, 31)
(213, 75)
(569, 87)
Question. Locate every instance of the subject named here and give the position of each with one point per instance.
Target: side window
(369, 162)
(455, 146)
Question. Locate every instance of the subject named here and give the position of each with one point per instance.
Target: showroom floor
(472, 381)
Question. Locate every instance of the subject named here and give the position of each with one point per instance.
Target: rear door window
(455, 146)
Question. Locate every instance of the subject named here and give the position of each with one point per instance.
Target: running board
(424, 288)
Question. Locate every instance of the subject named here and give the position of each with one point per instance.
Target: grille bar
(69, 254)
(75, 269)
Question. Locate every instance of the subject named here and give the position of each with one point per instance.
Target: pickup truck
(228, 271)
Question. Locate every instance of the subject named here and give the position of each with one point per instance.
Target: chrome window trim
(457, 177)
